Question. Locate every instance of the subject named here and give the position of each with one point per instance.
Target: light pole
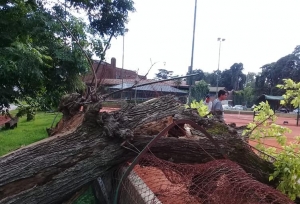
(126, 30)
(220, 40)
(192, 57)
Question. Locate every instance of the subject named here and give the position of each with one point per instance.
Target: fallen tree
(53, 169)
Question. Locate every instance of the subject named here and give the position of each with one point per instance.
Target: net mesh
(220, 181)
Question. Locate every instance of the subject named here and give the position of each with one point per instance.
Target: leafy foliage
(292, 92)
(274, 73)
(211, 78)
(163, 74)
(287, 169)
(232, 78)
(200, 90)
(244, 97)
(106, 17)
(200, 106)
(250, 79)
(29, 109)
(287, 160)
(200, 75)
(39, 58)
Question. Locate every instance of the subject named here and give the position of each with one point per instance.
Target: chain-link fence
(219, 181)
(153, 181)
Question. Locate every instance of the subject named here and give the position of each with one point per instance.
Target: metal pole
(219, 39)
(298, 115)
(192, 57)
(122, 64)
(123, 59)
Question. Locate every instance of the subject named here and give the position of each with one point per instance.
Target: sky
(256, 32)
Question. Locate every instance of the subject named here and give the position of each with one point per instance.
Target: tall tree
(238, 78)
(200, 90)
(39, 58)
(177, 82)
(200, 75)
(250, 79)
(225, 79)
(244, 97)
(274, 73)
(211, 78)
(233, 78)
(264, 81)
(163, 74)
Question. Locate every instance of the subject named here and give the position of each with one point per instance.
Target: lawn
(26, 132)
(30, 132)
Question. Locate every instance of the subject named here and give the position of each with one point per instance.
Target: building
(110, 71)
(109, 77)
(274, 101)
(146, 92)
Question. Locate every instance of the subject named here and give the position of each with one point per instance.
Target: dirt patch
(241, 120)
(166, 191)
(3, 120)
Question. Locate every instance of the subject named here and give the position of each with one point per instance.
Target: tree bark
(51, 170)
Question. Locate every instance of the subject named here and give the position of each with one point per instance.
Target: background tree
(177, 82)
(211, 78)
(225, 79)
(163, 74)
(231, 79)
(238, 78)
(37, 61)
(200, 75)
(250, 79)
(292, 94)
(200, 90)
(105, 17)
(39, 58)
(244, 97)
(274, 73)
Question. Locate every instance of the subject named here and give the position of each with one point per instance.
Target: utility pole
(192, 57)
(122, 72)
(220, 40)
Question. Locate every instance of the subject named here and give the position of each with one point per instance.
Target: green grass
(86, 198)
(26, 132)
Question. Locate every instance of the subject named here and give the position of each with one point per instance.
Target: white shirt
(209, 105)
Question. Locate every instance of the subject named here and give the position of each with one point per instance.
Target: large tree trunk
(52, 169)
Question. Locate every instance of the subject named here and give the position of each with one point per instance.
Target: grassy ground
(86, 198)
(30, 132)
(26, 132)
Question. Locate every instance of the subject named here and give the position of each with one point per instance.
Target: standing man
(208, 102)
(217, 108)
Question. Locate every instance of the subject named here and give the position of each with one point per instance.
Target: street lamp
(220, 40)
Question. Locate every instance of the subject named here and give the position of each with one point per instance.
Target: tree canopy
(163, 74)
(200, 90)
(39, 58)
(275, 72)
